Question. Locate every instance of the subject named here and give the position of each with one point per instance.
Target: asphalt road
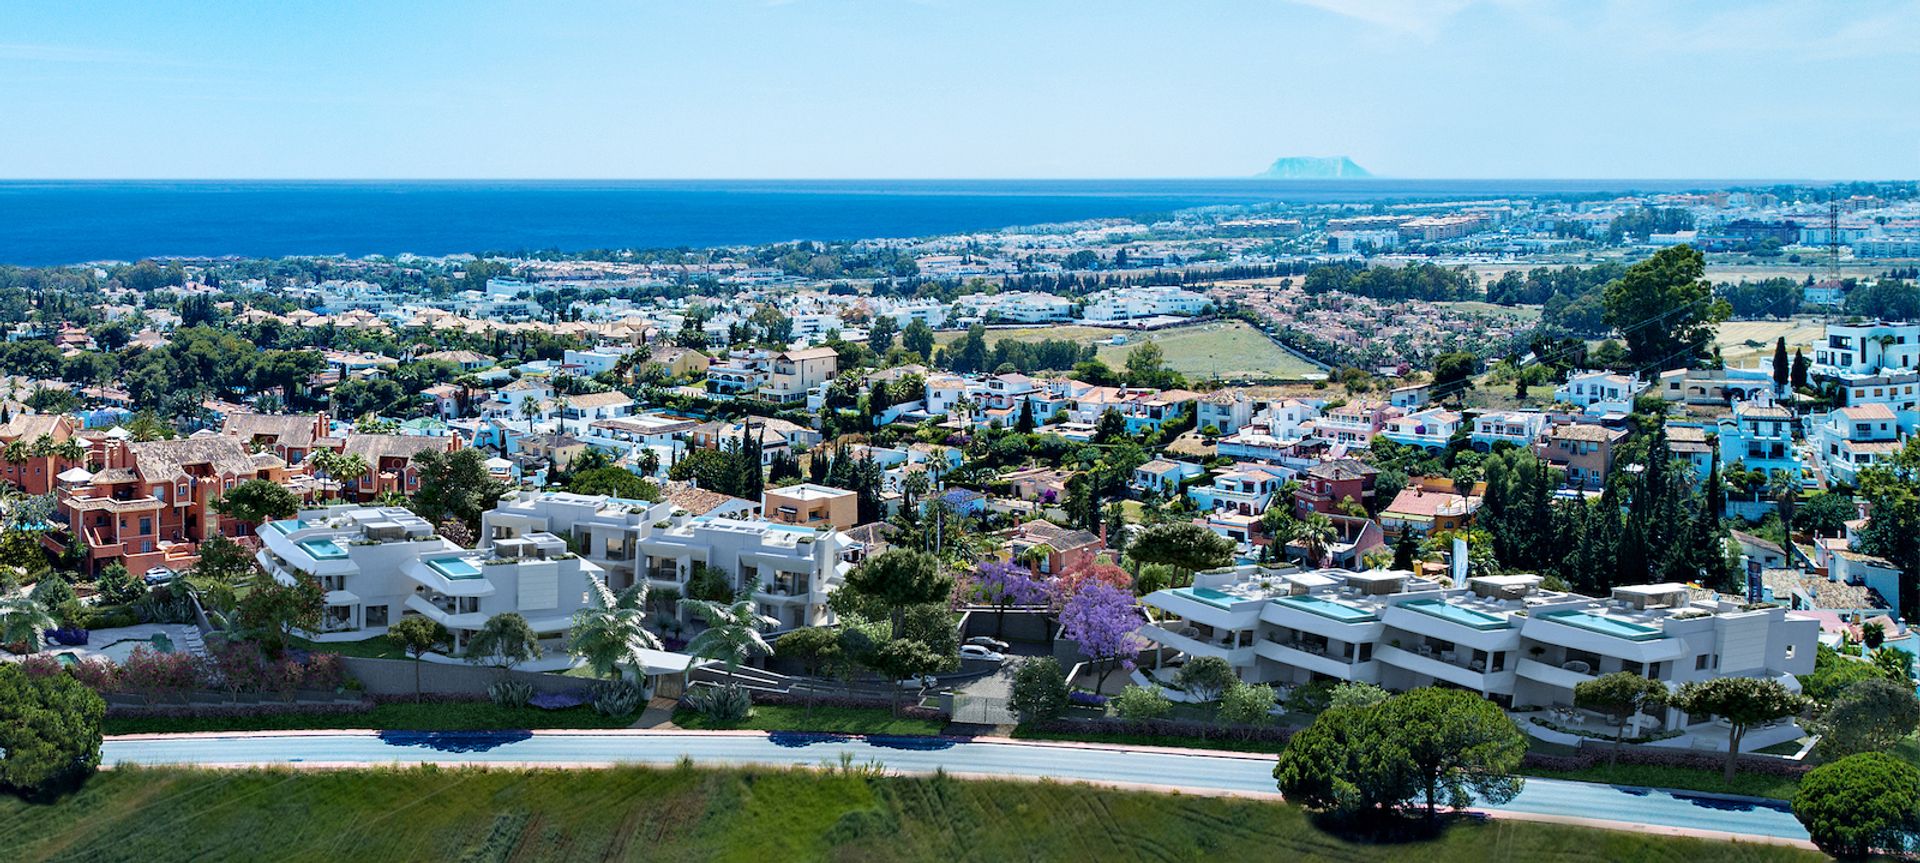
(1222, 772)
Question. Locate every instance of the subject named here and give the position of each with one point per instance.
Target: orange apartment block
(151, 504)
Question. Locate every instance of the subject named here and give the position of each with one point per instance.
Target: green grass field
(162, 815)
(1222, 349)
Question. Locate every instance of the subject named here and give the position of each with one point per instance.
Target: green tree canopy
(1860, 804)
(1665, 310)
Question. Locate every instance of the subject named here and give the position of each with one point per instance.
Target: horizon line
(1253, 178)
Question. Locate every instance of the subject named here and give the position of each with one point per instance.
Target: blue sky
(959, 88)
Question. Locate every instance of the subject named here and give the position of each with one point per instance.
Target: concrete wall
(395, 677)
(1027, 626)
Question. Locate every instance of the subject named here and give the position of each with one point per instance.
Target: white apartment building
(930, 312)
(1122, 304)
(1025, 307)
(378, 564)
(1505, 637)
(588, 363)
(1867, 349)
(793, 568)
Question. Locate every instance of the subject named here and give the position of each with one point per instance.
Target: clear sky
(959, 88)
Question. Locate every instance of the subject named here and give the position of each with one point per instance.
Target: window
(376, 615)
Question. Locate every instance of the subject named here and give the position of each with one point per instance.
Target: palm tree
(42, 446)
(733, 630)
(16, 452)
(23, 621)
(613, 634)
(1785, 491)
(70, 449)
(1317, 532)
(529, 409)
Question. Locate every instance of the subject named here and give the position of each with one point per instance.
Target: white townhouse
(1897, 390)
(792, 569)
(1600, 393)
(378, 564)
(1227, 411)
(1505, 637)
(1428, 429)
(1520, 428)
(1848, 439)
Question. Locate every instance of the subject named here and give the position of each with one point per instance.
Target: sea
(66, 222)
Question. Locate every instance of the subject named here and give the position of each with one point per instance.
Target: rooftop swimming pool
(1604, 625)
(1207, 595)
(1339, 611)
(322, 548)
(1455, 614)
(455, 568)
(287, 525)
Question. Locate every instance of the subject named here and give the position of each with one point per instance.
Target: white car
(159, 575)
(978, 653)
(990, 643)
(924, 681)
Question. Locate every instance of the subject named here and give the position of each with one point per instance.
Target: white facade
(1866, 349)
(1502, 636)
(795, 568)
(378, 564)
(1600, 392)
(1121, 304)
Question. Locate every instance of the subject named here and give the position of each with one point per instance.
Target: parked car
(159, 575)
(981, 654)
(990, 643)
(924, 681)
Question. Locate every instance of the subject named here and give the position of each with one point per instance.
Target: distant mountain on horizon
(1314, 168)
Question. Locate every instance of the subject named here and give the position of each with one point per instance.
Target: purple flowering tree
(1002, 585)
(1101, 619)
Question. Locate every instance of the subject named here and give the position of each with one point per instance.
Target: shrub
(71, 636)
(49, 730)
(1139, 702)
(722, 705)
(510, 693)
(1084, 698)
(1869, 716)
(1355, 693)
(1247, 704)
(1311, 697)
(618, 698)
(557, 700)
(1039, 689)
(154, 674)
(1860, 803)
(1205, 677)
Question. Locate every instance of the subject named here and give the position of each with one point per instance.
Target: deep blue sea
(58, 222)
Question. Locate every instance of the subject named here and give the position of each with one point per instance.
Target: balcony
(1438, 667)
(1197, 646)
(1551, 675)
(1313, 657)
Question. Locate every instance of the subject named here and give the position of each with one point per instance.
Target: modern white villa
(796, 567)
(1505, 637)
(377, 564)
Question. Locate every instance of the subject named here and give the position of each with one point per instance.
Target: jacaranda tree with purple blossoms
(1003, 584)
(1101, 620)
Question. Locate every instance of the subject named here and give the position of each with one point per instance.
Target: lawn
(1682, 778)
(1221, 349)
(157, 815)
(377, 647)
(392, 716)
(844, 720)
(1224, 350)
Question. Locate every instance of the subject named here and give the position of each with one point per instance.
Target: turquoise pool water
(456, 568)
(322, 548)
(1455, 614)
(287, 525)
(1604, 625)
(1207, 595)
(1339, 611)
